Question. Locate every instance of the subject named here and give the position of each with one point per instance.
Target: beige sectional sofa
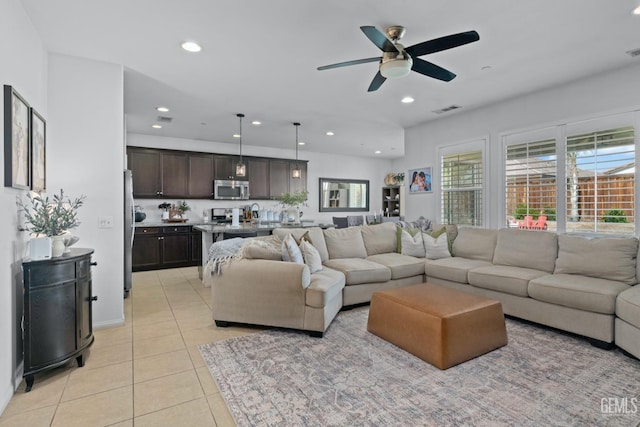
(580, 285)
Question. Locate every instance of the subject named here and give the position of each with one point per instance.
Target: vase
(57, 246)
(293, 215)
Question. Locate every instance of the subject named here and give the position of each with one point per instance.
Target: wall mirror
(344, 195)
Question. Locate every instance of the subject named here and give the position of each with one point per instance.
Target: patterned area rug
(352, 377)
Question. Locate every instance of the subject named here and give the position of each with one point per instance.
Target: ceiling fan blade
(379, 39)
(347, 63)
(432, 70)
(443, 43)
(376, 82)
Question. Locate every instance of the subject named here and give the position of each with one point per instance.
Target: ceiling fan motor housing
(396, 65)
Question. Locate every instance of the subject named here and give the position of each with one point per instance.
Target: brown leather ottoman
(442, 326)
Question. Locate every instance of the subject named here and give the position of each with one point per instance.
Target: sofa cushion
(379, 238)
(359, 270)
(410, 242)
(537, 250)
(576, 291)
(611, 258)
(263, 249)
(628, 306)
(316, 235)
(401, 266)
(453, 269)
(436, 244)
(504, 278)
(311, 256)
(324, 286)
(345, 243)
(475, 243)
(291, 251)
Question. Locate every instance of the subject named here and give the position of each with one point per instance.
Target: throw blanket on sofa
(220, 253)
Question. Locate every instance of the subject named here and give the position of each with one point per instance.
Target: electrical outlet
(105, 222)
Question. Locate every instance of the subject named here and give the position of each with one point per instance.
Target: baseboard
(6, 396)
(109, 324)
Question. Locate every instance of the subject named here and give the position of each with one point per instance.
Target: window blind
(462, 188)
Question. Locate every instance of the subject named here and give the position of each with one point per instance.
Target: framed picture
(419, 180)
(38, 152)
(17, 159)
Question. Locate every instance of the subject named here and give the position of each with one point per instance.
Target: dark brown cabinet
(201, 167)
(175, 167)
(58, 316)
(146, 171)
(278, 177)
(258, 170)
(156, 248)
(392, 201)
(225, 167)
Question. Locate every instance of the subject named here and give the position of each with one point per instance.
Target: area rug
(351, 377)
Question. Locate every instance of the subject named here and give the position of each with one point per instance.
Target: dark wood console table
(57, 324)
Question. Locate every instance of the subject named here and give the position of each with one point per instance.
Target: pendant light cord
(240, 115)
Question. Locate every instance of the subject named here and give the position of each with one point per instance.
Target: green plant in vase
(293, 201)
(51, 217)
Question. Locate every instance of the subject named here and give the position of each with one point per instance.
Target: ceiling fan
(396, 60)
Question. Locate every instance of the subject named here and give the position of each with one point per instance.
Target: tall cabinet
(57, 324)
(392, 200)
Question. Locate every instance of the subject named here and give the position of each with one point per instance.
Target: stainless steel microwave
(226, 189)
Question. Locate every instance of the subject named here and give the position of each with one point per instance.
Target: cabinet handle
(94, 263)
(160, 238)
(94, 299)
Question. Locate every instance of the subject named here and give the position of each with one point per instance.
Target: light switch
(105, 221)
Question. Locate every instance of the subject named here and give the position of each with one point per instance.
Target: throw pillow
(305, 236)
(311, 256)
(263, 249)
(436, 244)
(399, 230)
(291, 251)
(410, 242)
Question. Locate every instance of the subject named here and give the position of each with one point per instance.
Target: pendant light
(241, 169)
(296, 173)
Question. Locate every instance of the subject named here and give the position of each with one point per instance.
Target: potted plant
(51, 217)
(293, 201)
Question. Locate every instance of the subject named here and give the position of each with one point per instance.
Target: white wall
(86, 156)
(320, 165)
(24, 66)
(601, 95)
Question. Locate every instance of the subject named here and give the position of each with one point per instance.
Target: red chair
(541, 223)
(527, 223)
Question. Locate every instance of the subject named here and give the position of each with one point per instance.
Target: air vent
(164, 119)
(447, 109)
(633, 53)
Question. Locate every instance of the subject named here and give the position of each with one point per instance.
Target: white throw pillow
(411, 245)
(436, 247)
(291, 251)
(311, 256)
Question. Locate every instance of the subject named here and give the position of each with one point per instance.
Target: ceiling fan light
(396, 68)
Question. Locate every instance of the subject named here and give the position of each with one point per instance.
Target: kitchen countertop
(164, 224)
(227, 228)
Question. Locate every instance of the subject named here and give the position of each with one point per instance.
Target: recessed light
(636, 11)
(256, 123)
(300, 143)
(485, 68)
(162, 109)
(330, 133)
(191, 47)
(378, 151)
(235, 135)
(156, 126)
(407, 100)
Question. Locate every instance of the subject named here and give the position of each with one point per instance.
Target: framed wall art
(38, 152)
(17, 153)
(420, 180)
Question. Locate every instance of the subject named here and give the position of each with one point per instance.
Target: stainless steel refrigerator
(129, 225)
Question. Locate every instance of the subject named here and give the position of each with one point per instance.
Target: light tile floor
(147, 372)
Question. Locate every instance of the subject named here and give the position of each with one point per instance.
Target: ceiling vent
(164, 119)
(447, 109)
(633, 53)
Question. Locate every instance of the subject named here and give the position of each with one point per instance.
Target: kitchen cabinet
(175, 166)
(225, 167)
(58, 315)
(146, 171)
(258, 170)
(168, 246)
(278, 177)
(201, 167)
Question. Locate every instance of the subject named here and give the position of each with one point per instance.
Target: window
(531, 179)
(601, 181)
(462, 175)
